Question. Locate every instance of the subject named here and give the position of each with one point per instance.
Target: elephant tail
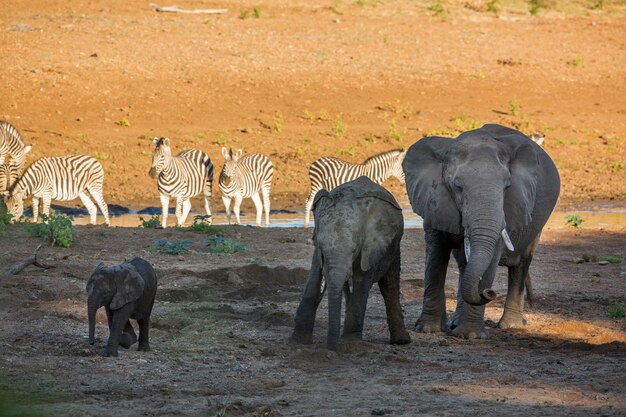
(530, 297)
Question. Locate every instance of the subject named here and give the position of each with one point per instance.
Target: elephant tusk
(466, 244)
(507, 240)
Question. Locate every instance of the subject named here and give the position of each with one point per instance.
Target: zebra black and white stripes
(246, 177)
(182, 177)
(62, 178)
(329, 172)
(12, 154)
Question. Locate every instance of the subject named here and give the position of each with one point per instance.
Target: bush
(152, 223)
(5, 218)
(573, 220)
(202, 224)
(617, 311)
(56, 228)
(171, 248)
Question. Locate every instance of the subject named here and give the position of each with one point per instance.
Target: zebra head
(160, 156)
(230, 164)
(15, 203)
(396, 168)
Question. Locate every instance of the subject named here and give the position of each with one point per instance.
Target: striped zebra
(11, 146)
(246, 177)
(329, 172)
(8, 175)
(61, 178)
(182, 177)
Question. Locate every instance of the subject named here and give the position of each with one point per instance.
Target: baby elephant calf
(126, 291)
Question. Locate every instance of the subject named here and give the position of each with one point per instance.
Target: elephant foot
(400, 338)
(110, 352)
(352, 336)
(299, 339)
(454, 321)
(144, 347)
(429, 324)
(511, 321)
(469, 331)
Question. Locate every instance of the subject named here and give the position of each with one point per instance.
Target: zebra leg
(266, 203)
(307, 208)
(207, 208)
(91, 207)
(47, 200)
(186, 209)
(104, 208)
(226, 201)
(179, 210)
(256, 198)
(35, 209)
(236, 207)
(165, 206)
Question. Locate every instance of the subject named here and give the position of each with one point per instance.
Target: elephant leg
(433, 317)
(461, 262)
(513, 316)
(356, 304)
(128, 337)
(120, 318)
(144, 334)
(389, 286)
(313, 293)
(109, 317)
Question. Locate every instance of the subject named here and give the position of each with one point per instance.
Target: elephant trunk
(337, 279)
(484, 236)
(92, 308)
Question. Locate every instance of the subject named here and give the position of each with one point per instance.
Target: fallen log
(176, 9)
(31, 260)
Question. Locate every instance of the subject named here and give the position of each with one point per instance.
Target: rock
(579, 261)
(603, 262)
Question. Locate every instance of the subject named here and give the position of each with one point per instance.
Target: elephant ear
(130, 286)
(318, 196)
(428, 193)
(519, 198)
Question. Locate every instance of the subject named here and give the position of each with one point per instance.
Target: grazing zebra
(328, 172)
(61, 178)
(11, 145)
(244, 177)
(183, 176)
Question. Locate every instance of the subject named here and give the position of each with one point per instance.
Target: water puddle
(125, 217)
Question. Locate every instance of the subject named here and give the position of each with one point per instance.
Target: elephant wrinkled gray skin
(358, 227)
(484, 196)
(126, 291)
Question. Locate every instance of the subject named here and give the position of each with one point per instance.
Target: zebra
(183, 176)
(11, 145)
(9, 173)
(244, 177)
(329, 172)
(61, 178)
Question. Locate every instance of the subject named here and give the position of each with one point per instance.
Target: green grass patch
(5, 218)
(573, 220)
(617, 310)
(613, 259)
(170, 248)
(152, 223)
(219, 244)
(202, 224)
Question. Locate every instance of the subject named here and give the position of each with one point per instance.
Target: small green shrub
(152, 223)
(278, 122)
(170, 248)
(573, 220)
(56, 228)
(5, 217)
(617, 311)
(340, 128)
(535, 5)
(613, 259)
(576, 62)
(219, 244)
(493, 6)
(514, 107)
(202, 224)
(221, 139)
(257, 13)
(436, 6)
(124, 122)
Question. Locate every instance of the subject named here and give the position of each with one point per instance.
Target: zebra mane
(383, 155)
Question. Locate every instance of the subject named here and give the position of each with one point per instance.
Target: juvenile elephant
(126, 291)
(488, 189)
(358, 227)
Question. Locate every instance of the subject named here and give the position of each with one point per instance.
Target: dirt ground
(303, 80)
(315, 78)
(221, 322)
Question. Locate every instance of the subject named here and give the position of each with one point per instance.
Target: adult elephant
(484, 196)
